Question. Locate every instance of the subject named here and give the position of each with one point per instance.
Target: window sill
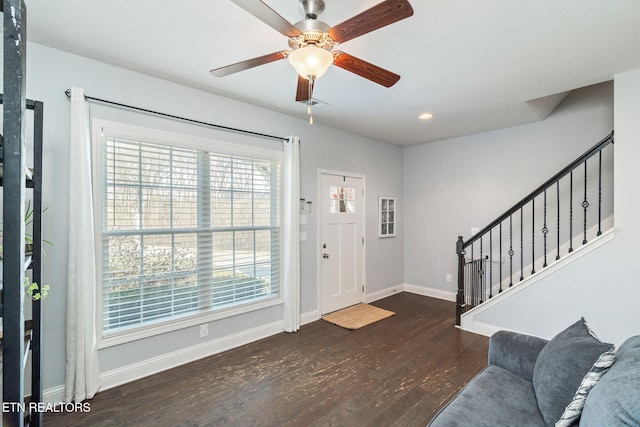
(138, 333)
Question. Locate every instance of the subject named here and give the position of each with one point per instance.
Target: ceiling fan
(312, 40)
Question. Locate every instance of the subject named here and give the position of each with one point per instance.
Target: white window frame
(154, 136)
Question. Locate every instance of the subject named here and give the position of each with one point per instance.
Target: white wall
(50, 72)
(603, 285)
(460, 183)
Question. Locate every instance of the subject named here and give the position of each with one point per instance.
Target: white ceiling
(476, 65)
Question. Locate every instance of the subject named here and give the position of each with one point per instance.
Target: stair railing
(486, 272)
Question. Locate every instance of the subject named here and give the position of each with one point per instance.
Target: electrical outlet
(449, 277)
(204, 330)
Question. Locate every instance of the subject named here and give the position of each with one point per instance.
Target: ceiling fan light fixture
(311, 62)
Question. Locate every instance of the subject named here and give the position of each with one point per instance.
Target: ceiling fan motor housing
(311, 8)
(314, 32)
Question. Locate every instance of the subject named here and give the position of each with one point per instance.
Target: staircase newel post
(460, 303)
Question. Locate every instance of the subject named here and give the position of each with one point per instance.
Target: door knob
(325, 255)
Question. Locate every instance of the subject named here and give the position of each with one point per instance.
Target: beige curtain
(82, 369)
(291, 232)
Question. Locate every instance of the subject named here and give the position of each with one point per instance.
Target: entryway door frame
(319, 252)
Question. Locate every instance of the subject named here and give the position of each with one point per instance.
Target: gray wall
(457, 184)
(51, 72)
(433, 193)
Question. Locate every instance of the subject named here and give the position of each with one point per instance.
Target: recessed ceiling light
(425, 116)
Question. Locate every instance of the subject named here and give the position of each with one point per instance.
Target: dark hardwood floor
(397, 372)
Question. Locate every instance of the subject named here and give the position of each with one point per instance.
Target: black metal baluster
(533, 235)
(490, 263)
(545, 230)
(571, 212)
(511, 250)
(500, 260)
(468, 294)
(474, 280)
(599, 193)
(474, 284)
(558, 219)
(521, 245)
(481, 273)
(585, 204)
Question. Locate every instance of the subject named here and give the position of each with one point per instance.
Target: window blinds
(185, 231)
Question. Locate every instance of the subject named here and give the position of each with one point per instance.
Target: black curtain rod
(184, 119)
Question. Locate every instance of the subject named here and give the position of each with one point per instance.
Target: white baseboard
(154, 365)
(309, 316)
(166, 361)
(53, 395)
(375, 296)
(161, 363)
(486, 329)
(482, 328)
(414, 289)
(430, 292)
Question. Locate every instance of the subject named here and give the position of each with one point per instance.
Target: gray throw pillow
(615, 399)
(561, 366)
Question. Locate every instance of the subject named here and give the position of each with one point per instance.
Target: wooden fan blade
(365, 69)
(302, 92)
(378, 16)
(249, 63)
(269, 16)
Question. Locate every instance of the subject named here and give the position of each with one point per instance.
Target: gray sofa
(573, 379)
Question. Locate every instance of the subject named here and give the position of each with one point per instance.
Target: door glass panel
(342, 199)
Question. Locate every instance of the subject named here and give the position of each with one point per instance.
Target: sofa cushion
(494, 398)
(515, 352)
(561, 366)
(615, 399)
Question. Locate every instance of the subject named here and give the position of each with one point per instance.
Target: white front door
(342, 218)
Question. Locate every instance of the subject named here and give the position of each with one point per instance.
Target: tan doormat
(357, 316)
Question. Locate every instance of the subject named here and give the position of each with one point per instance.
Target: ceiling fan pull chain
(309, 101)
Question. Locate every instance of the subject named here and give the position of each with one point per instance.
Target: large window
(185, 231)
